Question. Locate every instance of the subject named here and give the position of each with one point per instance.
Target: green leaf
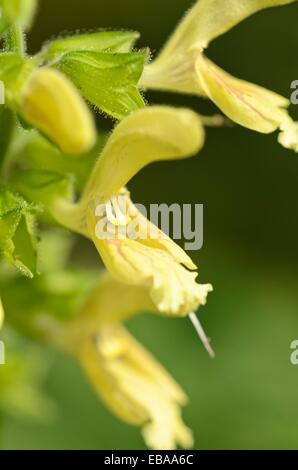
(3, 24)
(43, 186)
(17, 232)
(20, 380)
(18, 11)
(11, 65)
(7, 126)
(55, 249)
(14, 70)
(103, 41)
(35, 152)
(58, 294)
(108, 81)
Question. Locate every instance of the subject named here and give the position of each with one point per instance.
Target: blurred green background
(246, 398)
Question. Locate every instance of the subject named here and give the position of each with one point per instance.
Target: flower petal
(111, 302)
(151, 236)
(245, 103)
(288, 136)
(182, 67)
(52, 103)
(136, 387)
(153, 264)
(151, 134)
(208, 19)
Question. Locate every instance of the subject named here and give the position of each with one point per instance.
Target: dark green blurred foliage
(246, 397)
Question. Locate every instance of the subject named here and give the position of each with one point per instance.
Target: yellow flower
(136, 387)
(129, 380)
(1, 314)
(289, 135)
(157, 263)
(154, 262)
(52, 103)
(183, 67)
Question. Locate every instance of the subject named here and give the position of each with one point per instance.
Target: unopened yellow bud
(50, 102)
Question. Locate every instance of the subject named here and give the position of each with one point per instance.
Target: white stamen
(121, 218)
(199, 329)
(111, 217)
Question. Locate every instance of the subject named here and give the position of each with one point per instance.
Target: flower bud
(50, 102)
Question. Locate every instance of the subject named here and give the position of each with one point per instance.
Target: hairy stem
(15, 40)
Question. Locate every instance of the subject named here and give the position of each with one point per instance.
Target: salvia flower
(136, 387)
(154, 262)
(127, 377)
(183, 67)
(49, 101)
